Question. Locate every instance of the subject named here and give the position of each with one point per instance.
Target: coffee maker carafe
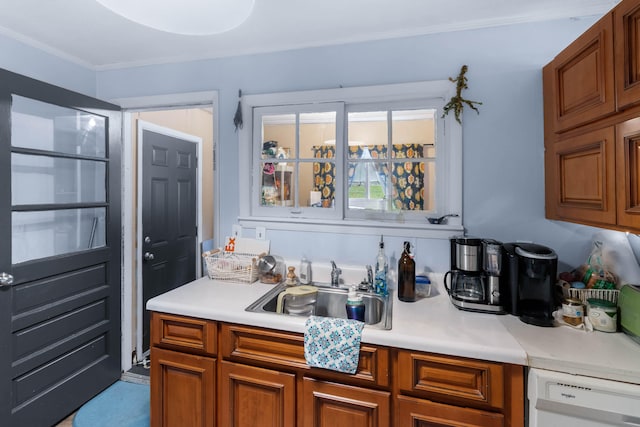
(475, 274)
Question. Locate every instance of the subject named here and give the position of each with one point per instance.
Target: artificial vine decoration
(457, 102)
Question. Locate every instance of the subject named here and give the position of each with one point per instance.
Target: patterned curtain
(406, 178)
(324, 174)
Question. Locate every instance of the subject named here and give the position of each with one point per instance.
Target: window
(352, 159)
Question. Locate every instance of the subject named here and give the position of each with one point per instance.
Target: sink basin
(330, 302)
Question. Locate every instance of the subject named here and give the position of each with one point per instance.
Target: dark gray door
(169, 219)
(59, 250)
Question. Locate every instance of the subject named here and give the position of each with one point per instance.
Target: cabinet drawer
(271, 348)
(451, 379)
(182, 333)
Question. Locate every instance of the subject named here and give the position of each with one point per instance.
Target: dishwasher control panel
(557, 398)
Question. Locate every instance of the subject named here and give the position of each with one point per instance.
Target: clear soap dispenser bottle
(382, 266)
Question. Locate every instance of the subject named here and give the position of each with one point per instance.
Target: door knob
(148, 256)
(6, 279)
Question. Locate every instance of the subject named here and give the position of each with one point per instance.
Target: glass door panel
(41, 234)
(42, 126)
(58, 180)
(37, 179)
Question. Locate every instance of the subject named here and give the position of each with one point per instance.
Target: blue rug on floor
(123, 404)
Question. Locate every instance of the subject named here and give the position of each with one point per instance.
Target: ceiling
(87, 33)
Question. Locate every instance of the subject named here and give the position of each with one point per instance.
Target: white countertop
(431, 324)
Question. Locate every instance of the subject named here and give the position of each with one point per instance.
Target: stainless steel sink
(330, 302)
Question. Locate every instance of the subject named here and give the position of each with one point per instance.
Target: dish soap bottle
(355, 305)
(382, 265)
(407, 275)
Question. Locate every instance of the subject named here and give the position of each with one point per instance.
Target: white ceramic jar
(602, 314)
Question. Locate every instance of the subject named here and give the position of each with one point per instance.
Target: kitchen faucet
(335, 275)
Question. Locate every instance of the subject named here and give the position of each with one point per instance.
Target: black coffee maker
(528, 282)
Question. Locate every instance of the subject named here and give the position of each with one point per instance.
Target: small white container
(602, 314)
(305, 271)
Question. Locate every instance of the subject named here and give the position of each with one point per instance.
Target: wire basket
(231, 266)
(585, 294)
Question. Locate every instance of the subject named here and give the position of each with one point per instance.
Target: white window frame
(448, 163)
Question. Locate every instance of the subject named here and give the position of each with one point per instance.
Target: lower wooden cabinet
(258, 377)
(424, 413)
(251, 396)
(182, 389)
(326, 404)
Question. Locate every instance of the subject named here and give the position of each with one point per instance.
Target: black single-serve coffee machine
(475, 275)
(528, 285)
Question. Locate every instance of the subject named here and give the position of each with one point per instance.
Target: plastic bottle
(305, 271)
(407, 275)
(355, 305)
(380, 277)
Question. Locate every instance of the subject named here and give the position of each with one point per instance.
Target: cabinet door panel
(424, 413)
(583, 81)
(252, 397)
(582, 175)
(627, 52)
(327, 404)
(628, 173)
(182, 389)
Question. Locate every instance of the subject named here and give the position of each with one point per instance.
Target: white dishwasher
(564, 400)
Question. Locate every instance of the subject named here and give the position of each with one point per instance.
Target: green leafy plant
(457, 102)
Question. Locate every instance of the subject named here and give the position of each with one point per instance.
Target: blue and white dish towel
(331, 343)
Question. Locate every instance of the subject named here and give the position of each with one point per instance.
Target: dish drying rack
(232, 266)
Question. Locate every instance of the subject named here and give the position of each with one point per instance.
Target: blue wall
(503, 145)
(26, 60)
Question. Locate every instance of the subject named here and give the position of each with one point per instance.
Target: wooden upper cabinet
(582, 78)
(627, 52)
(628, 173)
(581, 177)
